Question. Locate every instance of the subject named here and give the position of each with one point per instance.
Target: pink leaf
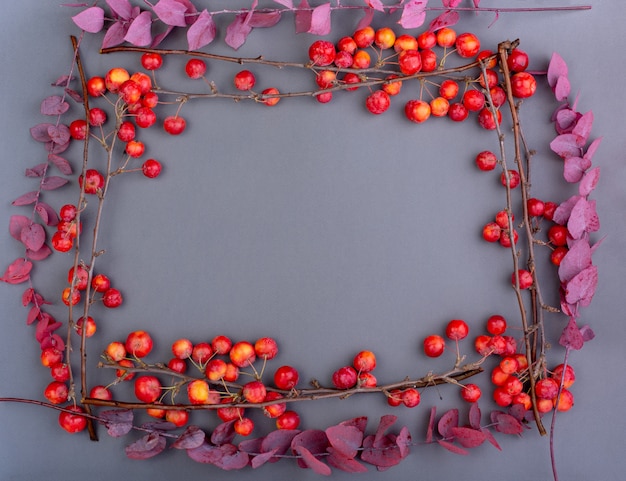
(303, 17)
(57, 148)
(347, 464)
(565, 119)
(121, 8)
(54, 105)
(320, 20)
(582, 287)
(260, 459)
(446, 19)
(452, 447)
(90, 20)
(47, 214)
(60, 163)
(43, 253)
(587, 333)
(403, 441)
(591, 150)
(571, 337)
(285, 3)
(385, 423)
(583, 218)
(468, 437)
(577, 259)
(582, 130)
(367, 18)
(562, 88)
(17, 272)
(264, 19)
(202, 32)
(114, 35)
(566, 145)
(574, 168)
(37, 171)
(359, 422)
(431, 424)
(224, 433)
(563, 211)
(59, 134)
(146, 447)
(413, 14)
(474, 416)
(40, 132)
(139, 32)
(16, 224)
(376, 5)
(161, 36)
(33, 314)
(556, 68)
(27, 198)
(451, 3)
(238, 31)
(33, 236)
(191, 438)
(312, 462)
(589, 182)
(53, 182)
(505, 423)
(345, 439)
(171, 12)
(448, 421)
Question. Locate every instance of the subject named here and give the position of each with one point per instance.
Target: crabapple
(50, 356)
(486, 119)
(244, 80)
(524, 399)
(564, 401)
(115, 351)
(322, 53)
(100, 283)
(364, 37)
(557, 255)
(96, 86)
(229, 413)
(377, 102)
(513, 386)
(484, 55)
(547, 388)
(151, 168)
(492, 79)
(446, 37)
(129, 92)
(101, 392)
(392, 88)
(394, 398)
(426, 40)
(345, 377)
(405, 42)
(364, 361)
(347, 44)
(145, 117)
(439, 107)
(81, 278)
(513, 178)
(502, 397)
(481, 345)
(254, 392)
(410, 62)
(498, 96)
(93, 181)
(471, 393)
(274, 410)
(492, 232)
(286, 378)
(126, 131)
(457, 112)
(343, 59)
(457, 329)
(523, 277)
(60, 371)
(242, 354)
(90, 328)
(549, 209)
(417, 111)
(498, 376)
(56, 392)
(221, 344)
(73, 423)
(115, 78)
(138, 343)
(123, 374)
(270, 96)
(535, 207)
(467, 45)
(367, 379)
(195, 68)
(434, 345)
(177, 365)
(135, 148)
(232, 372)
(266, 348)
(147, 388)
(361, 59)
(523, 85)
(517, 61)
(198, 392)
(78, 129)
(150, 99)
(325, 79)
(288, 420)
(70, 296)
(557, 235)
(568, 378)
(112, 298)
(429, 60)
(486, 160)
(410, 397)
(178, 417)
(244, 426)
(449, 89)
(201, 353)
(216, 369)
(174, 124)
(143, 80)
(384, 38)
(151, 61)
(182, 348)
(496, 324)
(68, 212)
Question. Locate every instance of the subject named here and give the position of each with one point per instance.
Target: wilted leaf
(452, 447)
(118, 422)
(193, 437)
(413, 14)
(54, 105)
(448, 421)
(17, 272)
(146, 447)
(311, 461)
(140, 30)
(571, 336)
(556, 68)
(345, 439)
(582, 287)
(202, 32)
(53, 182)
(27, 198)
(33, 236)
(468, 437)
(90, 20)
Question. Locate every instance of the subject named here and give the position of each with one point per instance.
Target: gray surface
(327, 228)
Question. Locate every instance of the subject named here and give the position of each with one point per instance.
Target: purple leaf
(121, 8)
(171, 12)
(345, 439)
(205, 453)
(468, 437)
(448, 421)
(431, 424)
(278, 441)
(571, 336)
(47, 214)
(37, 171)
(161, 36)
(446, 19)
(574, 168)
(260, 459)
(56, 148)
(565, 119)
(577, 259)
(587, 333)
(376, 5)
(474, 416)
(114, 35)
(232, 458)
(311, 461)
(566, 145)
(60, 163)
(90, 20)
(382, 453)
(265, 19)
(223, 434)
(74, 95)
(556, 68)
(583, 218)
(40, 132)
(489, 437)
(59, 134)
(16, 224)
(359, 422)
(385, 423)
(33, 236)
(17, 272)
(43, 253)
(347, 464)
(367, 18)
(193, 437)
(54, 105)
(202, 32)
(589, 182)
(27, 198)
(139, 32)
(564, 210)
(582, 130)
(303, 17)
(313, 440)
(118, 422)
(562, 88)
(403, 441)
(505, 423)
(251, 446)
(62, 81)
(413, 14)
(582, 287)
(452, 447)
(238, 31)
(53, 182)
(320, 20)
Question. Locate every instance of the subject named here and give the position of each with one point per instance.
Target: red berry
(547, 388)
(270, 101)
(467, 45)
(138, 344)
(524, 277)
(517, 61)
(535, 207)
(151, 168)
(288, 420)
(322, 53)
(486, 161)
(145, 117)
(73, 423)
(410, 397)
(496, 325)
(513, 180)
(126, 131)
(410, 62)
(449, 89)
(78, 129)
(195, 68)
(56, 392)
(492, 232)
(457, 329)
(523, 85)
(364, 37)
(97, 117)
(151, 61)
(377, 102)
(457, 112)
(286, 377)
(364, 361)
(174, 124)
(266, 348)
(434, 345)
(417, 111)
(557, 235)
(345, 377)
(446, 37)
(471, 393)
(244, 80)
(96, 86)
(112, 298)
(147, 388)
(486, 119)
(557, 255)
(473, 100)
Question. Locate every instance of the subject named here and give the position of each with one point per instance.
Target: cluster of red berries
(349, 62)
(358, 374)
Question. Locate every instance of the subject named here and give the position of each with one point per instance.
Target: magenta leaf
(577, 259)
(171, 12)
(238, 30)
(264, 19)
(205, 453)
(489, 437)
(583, 218)
(260, 459)
(562, 88)
(27, 198)
(47, 214)
(345, 439)
(139, 32)
(303, 17)
(37, 171)
(376, 5)
(278, 441)
(313, 440)
(285, 3)
(582, 287)
(16, 224)
(446, 19)
(320, 20)
(310, 461)
(33, 236)
(468, 437)
(574, 168)
(90, 20)
(114, 35)
(385, 423)
(54, 105)
(17, 272)
(53, 182)
(74, 95)
(56, 148)
(453, 447)
(565, 119)
(359, 422)
(118, 422)
(564, 210)
(60, 163)
(202, 32)
(120, 8)
(251, 446)
(193, 437)
(33, 314)
(448, 421)
(161, 36)
(39, 255)
(591, 150)
(232, 458)
(403, 441)
(62, 81)
(451, 3)
(566, 145)
(59, 134)
(474, 416)
(505, 423)
(413, 14)
(223, 433)
(571, 336)
(40, 132)
(582, 130)
(587, 333)
(382, 453)
(366, 19)
(589, 182)
(556, 68)
(347, 464)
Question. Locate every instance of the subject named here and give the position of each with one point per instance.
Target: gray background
(328, 228)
